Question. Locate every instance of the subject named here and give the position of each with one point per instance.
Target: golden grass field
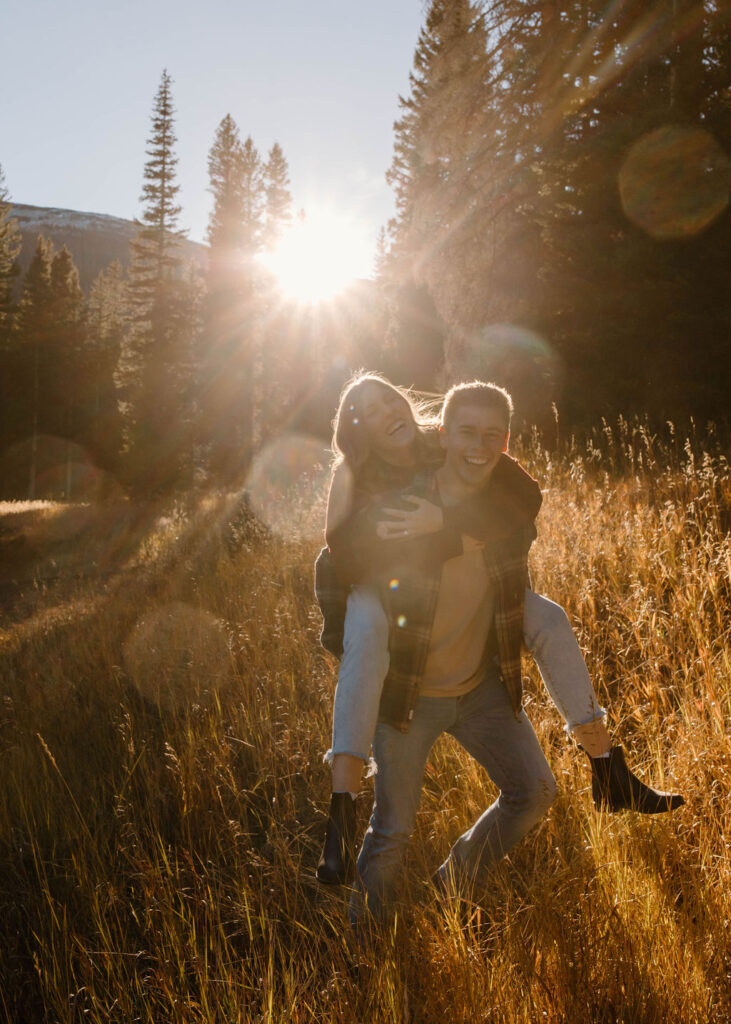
(165, 708)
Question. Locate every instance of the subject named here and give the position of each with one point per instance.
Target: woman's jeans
(547, 634)
(485, 724)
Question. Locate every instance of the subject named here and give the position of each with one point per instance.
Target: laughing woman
(382, 439)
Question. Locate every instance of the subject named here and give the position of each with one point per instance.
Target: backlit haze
(321, 78)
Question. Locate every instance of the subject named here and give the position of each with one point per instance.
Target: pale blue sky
(321, 77)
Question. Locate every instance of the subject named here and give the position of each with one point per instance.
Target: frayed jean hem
(370, 763)
(570, 726)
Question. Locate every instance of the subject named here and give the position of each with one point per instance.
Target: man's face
(473, 443)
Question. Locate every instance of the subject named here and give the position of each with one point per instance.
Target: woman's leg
(363, 669)
(550, 639)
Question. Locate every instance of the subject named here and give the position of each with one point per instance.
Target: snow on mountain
(93, 239)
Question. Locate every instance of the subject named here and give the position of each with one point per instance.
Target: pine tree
(508, 167)
(101, 421)
(226, 172)
(252, 178)
(226, 359)
(155, 250)
(66, 398)
(9, 249)
(278, 210)
(32, 336)
(444, 195)
(156, 360)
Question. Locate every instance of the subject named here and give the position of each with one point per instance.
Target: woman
(381, 439)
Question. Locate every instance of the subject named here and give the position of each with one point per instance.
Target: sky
(321, 77)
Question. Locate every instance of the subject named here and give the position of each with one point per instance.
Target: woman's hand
(406, 524)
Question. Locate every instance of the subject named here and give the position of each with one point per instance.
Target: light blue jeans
(484, 722)
(547, 634)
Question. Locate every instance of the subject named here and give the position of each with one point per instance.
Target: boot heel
(337, 860)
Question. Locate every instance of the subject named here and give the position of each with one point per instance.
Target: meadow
(165, 708)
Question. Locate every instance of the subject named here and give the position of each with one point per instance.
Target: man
(455, 661)
(455, 633)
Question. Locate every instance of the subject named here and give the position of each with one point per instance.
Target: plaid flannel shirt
(409, 589)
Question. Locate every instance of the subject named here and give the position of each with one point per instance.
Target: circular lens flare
(675, 182)
(287, 486)
(176, 653)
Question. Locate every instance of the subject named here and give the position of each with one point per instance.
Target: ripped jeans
(547, 634)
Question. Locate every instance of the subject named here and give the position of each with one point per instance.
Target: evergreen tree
(155, 250)
(278, 210)
(226, 359)
(156, 361)
(226, 174)
(62, 413)
(510, 174)
(283, 374)
(253, 199)
(101, 422)
(444, 193)
(9, 249)
(32, 345)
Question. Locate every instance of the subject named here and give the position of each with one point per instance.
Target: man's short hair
(477, 392)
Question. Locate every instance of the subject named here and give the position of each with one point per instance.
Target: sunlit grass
(157, 858)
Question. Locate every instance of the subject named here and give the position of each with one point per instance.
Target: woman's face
(387, 421)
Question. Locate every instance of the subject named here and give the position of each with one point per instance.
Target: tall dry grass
(163, 791)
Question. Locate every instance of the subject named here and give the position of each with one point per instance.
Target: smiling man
(455, 643)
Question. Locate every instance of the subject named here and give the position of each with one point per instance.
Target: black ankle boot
(615, 788)
(337, 861)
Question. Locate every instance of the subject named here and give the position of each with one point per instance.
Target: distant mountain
(93, 239)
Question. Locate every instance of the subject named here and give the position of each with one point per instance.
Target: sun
(320, 255)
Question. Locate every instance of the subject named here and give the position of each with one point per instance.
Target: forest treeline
(561, 180)
(163, 374)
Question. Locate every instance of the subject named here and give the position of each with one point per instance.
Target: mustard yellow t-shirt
(464, 614)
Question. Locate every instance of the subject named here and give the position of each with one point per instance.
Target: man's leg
(508, 749)
(401, 758)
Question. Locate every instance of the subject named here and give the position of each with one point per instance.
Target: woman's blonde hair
(350, 443)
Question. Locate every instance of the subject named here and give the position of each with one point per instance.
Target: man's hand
(406, 524)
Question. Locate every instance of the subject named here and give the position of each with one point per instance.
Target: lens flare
(55, 468)
(513, 356)
(675, 182)
(287, 486)
(176, 653)
(401, 621)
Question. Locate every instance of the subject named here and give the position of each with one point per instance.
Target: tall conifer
(226, 358)
(101, 422)
(33, 332)
(65, 399)
(9, 249)
(226, 172)
(155, 364)
(278, 205)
